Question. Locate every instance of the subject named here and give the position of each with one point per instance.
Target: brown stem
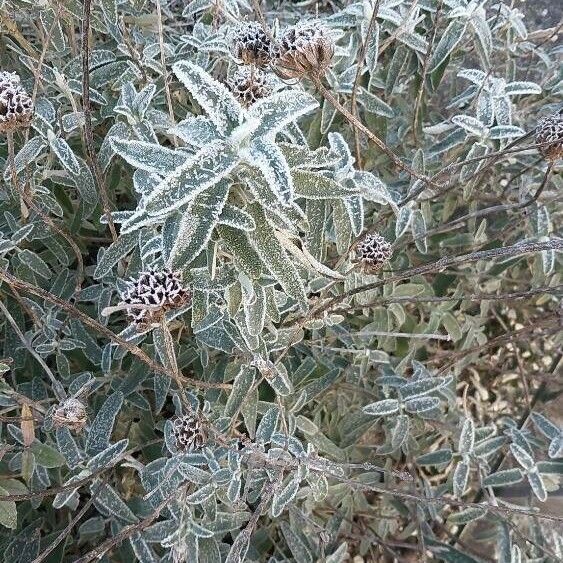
(88, 135)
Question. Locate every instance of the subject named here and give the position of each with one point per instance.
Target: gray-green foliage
(347, 412)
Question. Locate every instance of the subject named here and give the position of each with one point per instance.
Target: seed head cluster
(70, 413)
(373, 252)
(154, 293)
(189, 433)
(250, 85)
(303, 50)
(16, 106)
(549, 135)
(251, 44)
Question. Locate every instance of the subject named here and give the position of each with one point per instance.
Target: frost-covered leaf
(460, 478)
(382, 408)
(100, 431)
(149, 156)
(197, 224)
(218, 102)
(314, 185)
(200, 172)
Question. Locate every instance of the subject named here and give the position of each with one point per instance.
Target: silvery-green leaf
(196, 130)
(400, 431)
(217, 101)
(27, 154)
(65, 155)
(503, 478)
(448, 42)
(418, 228)
(279, 381)
(505, 132)
(468, 515)
(8, 511)
(241, 386)
(422, 404)
(142, 550)
(476, 150)
(522, 88)
(470, 124)
(114, 253)
(149, 156)
(279, 109)
(536, 482)
(479, 24)
(100, 431)
(197, 224)
(282, 498)
(275, 258)
(110, 503)
(196, 6)
(267, 157)
(382, 408)
(522, 457)
(108, 456)
(435, 458)
(467, 437)
(403, 220)
(35, 263)
(355, 209)
(545, 426)
(202, 494)
(460, 478)
(200, 172)
(503, 110)
(299, 550)
(372, 104)
(313, 185)
(267, 425)
(372, 49)
(238, 244)
(372, 188)
(237, 218)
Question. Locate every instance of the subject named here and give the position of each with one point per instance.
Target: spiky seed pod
(549, 135)
(16, 106)
(249, 85)
(373, 251)
(158, 291)
(189, 433)
(251, 44)
(303, 50)
(70, 413)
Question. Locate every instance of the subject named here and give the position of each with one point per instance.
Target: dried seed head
(16, 107)
(70, 413)
(305, 49)
(189, 433)
(249, 85)
(251, 44)
(549, 135)
(154, 293)
(373, 251)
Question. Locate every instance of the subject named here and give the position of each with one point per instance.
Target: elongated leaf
(382, 408)
(100, 431)
(196, 130)
(65, 155)
(218, 102)
(461, 475)
(197, 224)
(114, 253)
(241, 386)
(237, 218)
(149, 156)
(448, 42)
(313, 185)
(275, 258)
(269, 159)
(278, 110)
(203, 170)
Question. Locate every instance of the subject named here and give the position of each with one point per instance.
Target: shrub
(280, 282)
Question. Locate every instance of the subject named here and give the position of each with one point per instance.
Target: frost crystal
(373, 251)
(251, 44)
(70, 413)
(549, 135)
(249, 85)
(305, 49)
(189, 433)
(152, 294)
(16, 107)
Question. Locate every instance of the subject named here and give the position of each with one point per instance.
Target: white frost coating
(339, 145)
(373, 189)
(474, 75)
(280, 109)
(196, 130)
(268, 158)
(197, 224)
(149, 156)
(203, 170)
(220, 105)
(355, 209)
(234, 217)
(243, 132)
(470, 124)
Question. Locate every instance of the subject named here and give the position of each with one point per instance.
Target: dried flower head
(249, 85)
(549, 135)
(189, 432)
(154, 293)
(304, 49)
(70, 413)
(16, 106)
(251, 44)
(373, 251)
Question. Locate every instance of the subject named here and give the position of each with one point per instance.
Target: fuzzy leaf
(149, 156)
(382, 408)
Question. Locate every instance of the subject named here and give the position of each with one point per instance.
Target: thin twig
(88, 135)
